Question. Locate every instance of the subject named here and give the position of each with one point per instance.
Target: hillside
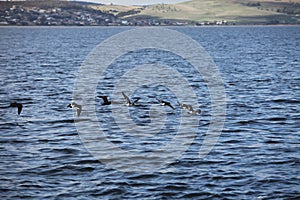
(53, 13)
(194, 12)
(232, 11)
(119, 10)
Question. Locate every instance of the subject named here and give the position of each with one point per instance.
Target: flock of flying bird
(129, 102)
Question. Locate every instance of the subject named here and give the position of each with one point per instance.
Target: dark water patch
(113, 191)
(249, 122)
(138, 184)
(196, 195)
(64, 195)
(273, 141)
(142, 176)
(263, 80)
(29, 185)
(176, 187)
(287, 101)
(232, 130)
(66, 151)
(64, 135)
(232, 141)
(86, 161)
(86, 169)
(67, 168)
(8, 125)
(281, 162)
(13, 141)
(277, 119)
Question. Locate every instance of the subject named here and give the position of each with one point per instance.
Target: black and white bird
(192, 111)
(165, 103)
(77, 107)
(128, 101)
(183, 106)
(18, 105)
(105, 100)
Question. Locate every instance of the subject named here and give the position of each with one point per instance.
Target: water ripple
(256, 157)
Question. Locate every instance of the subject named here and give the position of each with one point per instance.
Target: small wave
(8, 124)
(65, 168)
(53, 120)
(143, 176)
(196, 195)
(280, 162)
(246, 122)
(113, 191)
(262, 80)
(176, 187)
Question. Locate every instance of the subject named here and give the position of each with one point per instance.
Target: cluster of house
(205, 23)
(31, 16)
(18, 15)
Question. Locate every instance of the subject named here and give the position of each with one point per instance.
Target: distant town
(19, 15)
(78, 14)
(75, 13)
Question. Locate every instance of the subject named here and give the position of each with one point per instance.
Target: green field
(116, 9)
(235, 11)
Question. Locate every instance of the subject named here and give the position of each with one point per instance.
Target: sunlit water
(257, 154)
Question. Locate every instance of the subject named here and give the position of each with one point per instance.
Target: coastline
(63, 13)
(187, 26)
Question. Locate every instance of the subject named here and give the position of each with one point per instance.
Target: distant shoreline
(188, 14)
(188, 26)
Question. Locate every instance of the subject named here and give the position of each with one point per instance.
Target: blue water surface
(257, 154)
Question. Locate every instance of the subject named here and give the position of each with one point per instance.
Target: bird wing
(19, 105)
(79, 107)
(126, 98)
(165, 103)
(190, 108)
(168, 104)
(105, 100)
(160, 101)
(20, 109)
(180, 104)
(136, 100)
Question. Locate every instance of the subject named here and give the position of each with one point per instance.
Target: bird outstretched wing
(126, 98)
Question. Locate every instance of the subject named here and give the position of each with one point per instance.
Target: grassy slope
(195, 10)
(40, 4)
(210, 10)
(116, 9)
